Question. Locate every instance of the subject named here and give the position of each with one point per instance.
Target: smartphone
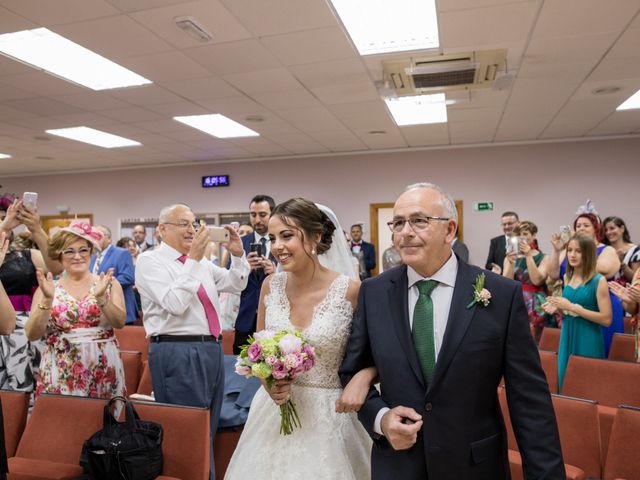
(218, 234)
(257, 247)
(512, 245)
(565, 233)
(30, 200)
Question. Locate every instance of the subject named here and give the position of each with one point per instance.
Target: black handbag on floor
(131, 450)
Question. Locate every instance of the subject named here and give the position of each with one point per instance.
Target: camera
(565, 233)
(512, 245)
(218, 234)
(30, 200)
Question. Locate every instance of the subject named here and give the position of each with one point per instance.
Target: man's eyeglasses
(417, 224)
(83, 252)
(184, 224)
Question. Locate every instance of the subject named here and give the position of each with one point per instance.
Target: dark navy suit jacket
(463, 435)
(369, 253)
(123, 270)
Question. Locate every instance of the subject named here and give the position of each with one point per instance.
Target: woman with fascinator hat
(588, 223)
(77, 315)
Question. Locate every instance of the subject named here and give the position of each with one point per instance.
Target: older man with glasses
(179, 292)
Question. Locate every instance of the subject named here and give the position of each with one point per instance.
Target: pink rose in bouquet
(272, 356)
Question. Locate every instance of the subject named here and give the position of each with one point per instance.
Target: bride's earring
(313, 251)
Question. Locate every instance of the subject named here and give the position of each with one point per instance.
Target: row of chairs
(579, 429)
(623, 346)
(48, 445)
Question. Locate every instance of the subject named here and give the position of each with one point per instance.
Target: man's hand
(254, 260)
(234, 245)
(199, 244)
(400, 426)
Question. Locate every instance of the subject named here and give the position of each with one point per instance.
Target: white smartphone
(565, 233)
(512, 245)
(30, 200)
(218, 234)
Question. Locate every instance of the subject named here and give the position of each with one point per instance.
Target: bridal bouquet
(272, 356)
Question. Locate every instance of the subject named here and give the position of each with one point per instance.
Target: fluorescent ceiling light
(4, 155)
(217, 125)
(384, 26)
(630, 103)
(42, 49)
(418, 110)
(94, 137)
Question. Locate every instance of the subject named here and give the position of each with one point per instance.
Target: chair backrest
(58, 427)
(133, 338)
(549, 362)
(132, 363)
(511, 437)
(622, 459)
(186, 439)
(228, 336)
(609, 382)
(15, 406)
(623, 347)
(550, 339)
(579, 428)
(145, 386)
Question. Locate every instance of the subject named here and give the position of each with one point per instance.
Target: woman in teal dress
(585, 304)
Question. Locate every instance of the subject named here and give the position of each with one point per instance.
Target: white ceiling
(291, 63)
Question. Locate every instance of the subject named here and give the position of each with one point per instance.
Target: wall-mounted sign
(216, 181)
(483, 206)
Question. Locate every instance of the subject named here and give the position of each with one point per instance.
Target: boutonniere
(480, 294)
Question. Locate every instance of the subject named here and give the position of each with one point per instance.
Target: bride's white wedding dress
(329, 445)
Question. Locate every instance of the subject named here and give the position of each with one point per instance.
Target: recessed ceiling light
(45, 50)
(418, 110)
(385, 26)
(377, 132)
(42, 138)
(217, 125)
(254, 118)
(94, 137)
(4, 155)
(605, 90)
(630, 103)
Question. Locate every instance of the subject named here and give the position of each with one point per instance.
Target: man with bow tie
(363, 251)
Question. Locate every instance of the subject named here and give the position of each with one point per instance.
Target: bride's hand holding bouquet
(277, 358)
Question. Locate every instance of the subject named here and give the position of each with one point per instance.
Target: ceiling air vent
(447, 72)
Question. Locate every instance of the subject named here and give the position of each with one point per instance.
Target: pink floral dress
(81, 355)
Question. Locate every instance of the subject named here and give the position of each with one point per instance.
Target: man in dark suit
(140, 237)
(123, 270)
(497, 247)
(440, 352)
(365, 252)
(262, 265)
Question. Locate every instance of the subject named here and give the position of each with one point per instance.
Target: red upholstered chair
(224, 445)
(623, 347)
(52, 440)
(15, 406)
(549, 362)
(623, 461)
(145, 386)
(132, 363)
(228, 336)
(185, 445)
(133, 338)
(550, 339)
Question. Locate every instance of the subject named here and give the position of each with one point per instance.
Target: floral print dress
(81, 355)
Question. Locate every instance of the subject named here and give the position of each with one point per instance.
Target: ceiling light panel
(217, 125)
(418, 110)
(384, 26)
(94, 137)
(630, 103)
(4, 155)
(45, 50)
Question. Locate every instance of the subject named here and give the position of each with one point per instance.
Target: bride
(318, 301)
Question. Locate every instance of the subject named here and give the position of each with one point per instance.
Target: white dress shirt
(169, 290)
(99, 258)
(441, 297)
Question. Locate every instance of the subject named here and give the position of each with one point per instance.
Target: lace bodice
(328, 332)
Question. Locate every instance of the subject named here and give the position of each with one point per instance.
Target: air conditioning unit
(443, 73)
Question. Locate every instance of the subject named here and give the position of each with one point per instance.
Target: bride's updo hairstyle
(305, 217)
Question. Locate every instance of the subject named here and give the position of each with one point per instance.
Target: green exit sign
(483, 206)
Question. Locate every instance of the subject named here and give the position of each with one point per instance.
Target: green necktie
(423, 328)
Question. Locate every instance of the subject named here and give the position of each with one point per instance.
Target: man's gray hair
(447, 203)
(165, 213)
(106, 229)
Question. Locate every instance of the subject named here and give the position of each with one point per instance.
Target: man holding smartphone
(258, 249)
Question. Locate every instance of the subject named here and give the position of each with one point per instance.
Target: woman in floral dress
(77, 315)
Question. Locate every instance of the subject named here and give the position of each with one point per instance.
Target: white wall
(544, 183)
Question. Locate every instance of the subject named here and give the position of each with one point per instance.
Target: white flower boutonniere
(480, 294)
